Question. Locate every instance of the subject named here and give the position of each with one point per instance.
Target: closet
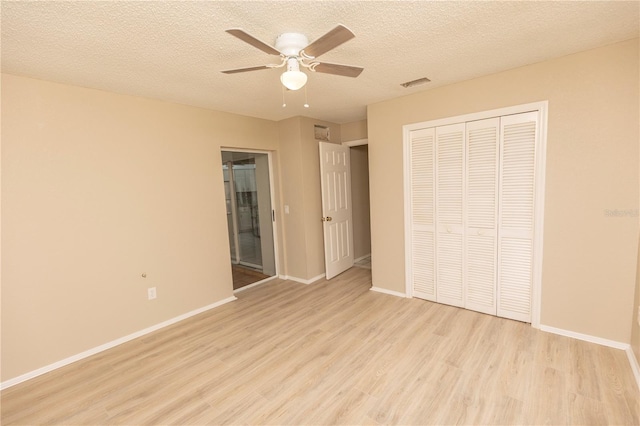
(470, 196)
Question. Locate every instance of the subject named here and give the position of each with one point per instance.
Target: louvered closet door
(518, 135)
(422, 146)
(449, 214)
(481, 214)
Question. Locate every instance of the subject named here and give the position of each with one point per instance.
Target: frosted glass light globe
(293, 80)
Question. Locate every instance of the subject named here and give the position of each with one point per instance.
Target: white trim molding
(361, 258)
(635, 367)
(356, 142)
(301, 280)
(109, 345)
(390, 292)
(257, 283)
(585, 337)
(633, 361)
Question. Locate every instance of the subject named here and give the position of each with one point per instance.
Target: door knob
(327, 219)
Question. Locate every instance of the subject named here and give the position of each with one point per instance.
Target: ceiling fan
(295, 51)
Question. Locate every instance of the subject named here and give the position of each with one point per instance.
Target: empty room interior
(327, 212)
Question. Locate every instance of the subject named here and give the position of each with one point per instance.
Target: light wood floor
(336, 353)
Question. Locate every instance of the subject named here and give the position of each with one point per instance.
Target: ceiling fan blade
(248, 38)
(237, 70)
(330, 40)
(337, 69)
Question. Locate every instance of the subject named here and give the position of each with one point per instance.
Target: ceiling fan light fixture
(293, 80)
(294, 49)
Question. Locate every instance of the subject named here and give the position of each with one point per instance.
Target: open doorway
(359, 158)
(346, 223)
(249, 217)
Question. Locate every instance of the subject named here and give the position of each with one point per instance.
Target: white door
(518, 136)
(449, 214)
(337, 219)
(481, 197)
(422, 264)
(472, 234)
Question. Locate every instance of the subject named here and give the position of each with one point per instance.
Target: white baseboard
(635, 367)
(385, 291)
(301, 280)
(109, 345)
(361, 258)
(585, 337)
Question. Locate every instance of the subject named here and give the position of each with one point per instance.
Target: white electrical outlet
(151, 293)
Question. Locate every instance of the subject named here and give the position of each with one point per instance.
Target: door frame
(351, 144)
(273, 211)
(234, 213)
(356, 142)
(541, 155)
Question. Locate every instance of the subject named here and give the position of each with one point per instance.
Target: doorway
(247, 186)
(359, 165)
(361, 205)
(345, 185)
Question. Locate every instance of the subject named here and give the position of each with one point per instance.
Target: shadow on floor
(243, 276)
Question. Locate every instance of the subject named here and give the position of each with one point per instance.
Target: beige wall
(300, 177)
(98, 188)
(589, 262)
(635, 316)
(312, 192)
(291, 171)
(353, 131)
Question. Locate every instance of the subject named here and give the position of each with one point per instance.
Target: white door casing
(336, 218)
(267, 173)
(267, 242)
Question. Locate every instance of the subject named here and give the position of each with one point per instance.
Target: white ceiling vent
(417, 82)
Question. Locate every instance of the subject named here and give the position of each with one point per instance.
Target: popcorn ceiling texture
(174, 51)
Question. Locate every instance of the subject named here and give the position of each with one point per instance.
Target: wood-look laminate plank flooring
(336, 353)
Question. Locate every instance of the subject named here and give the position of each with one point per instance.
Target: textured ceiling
(174, 51)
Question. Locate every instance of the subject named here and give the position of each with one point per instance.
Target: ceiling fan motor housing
(290, 44)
